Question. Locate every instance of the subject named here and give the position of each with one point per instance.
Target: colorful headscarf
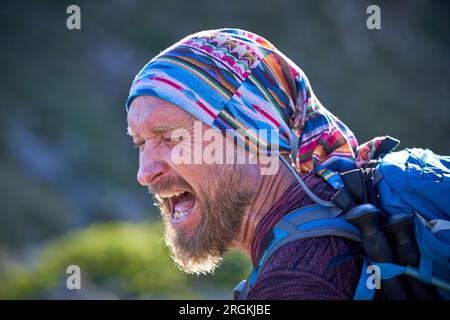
(235, 79)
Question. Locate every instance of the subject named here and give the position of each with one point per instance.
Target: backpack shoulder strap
(306, 222)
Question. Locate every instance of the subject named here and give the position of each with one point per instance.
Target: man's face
(202, 205)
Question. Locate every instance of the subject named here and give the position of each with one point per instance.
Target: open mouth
(181, 205)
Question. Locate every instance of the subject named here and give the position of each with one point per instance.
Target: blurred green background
(68, 193)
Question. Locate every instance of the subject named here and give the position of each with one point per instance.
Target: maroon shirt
(301, 269)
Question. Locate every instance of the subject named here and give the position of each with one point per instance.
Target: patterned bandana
(235, 79)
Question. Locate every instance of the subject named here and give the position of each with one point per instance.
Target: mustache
(168, 184)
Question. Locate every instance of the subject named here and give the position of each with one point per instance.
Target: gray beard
(221, 220)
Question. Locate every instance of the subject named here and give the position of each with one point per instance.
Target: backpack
(398, 209)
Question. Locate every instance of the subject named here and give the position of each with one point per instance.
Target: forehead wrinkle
(150, 128)
(133, 113)
(147, 111)
(140, 123)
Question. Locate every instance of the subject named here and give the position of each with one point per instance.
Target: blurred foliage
(117, 260)
(66, 162)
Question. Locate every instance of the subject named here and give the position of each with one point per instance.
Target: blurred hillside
(117, 260)
(66, 162)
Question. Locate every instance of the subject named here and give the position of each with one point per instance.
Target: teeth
(178, 214)
(171, 194)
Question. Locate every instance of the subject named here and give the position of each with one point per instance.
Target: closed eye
(171, 139)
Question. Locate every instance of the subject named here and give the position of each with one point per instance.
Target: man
(231, 85)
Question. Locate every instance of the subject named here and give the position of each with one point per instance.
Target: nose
(149, 173)
(151, 167)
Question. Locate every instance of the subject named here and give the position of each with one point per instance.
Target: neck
(270, 190)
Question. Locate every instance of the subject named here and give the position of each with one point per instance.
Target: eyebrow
(162, 129)
(156, 130)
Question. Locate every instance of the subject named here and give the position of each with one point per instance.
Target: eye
(170, 139)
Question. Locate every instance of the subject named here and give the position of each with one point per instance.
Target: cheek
(206, 176)
(194, 174)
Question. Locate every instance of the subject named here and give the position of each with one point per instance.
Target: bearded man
(230, 80)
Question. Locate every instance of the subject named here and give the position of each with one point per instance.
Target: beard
(222, 202)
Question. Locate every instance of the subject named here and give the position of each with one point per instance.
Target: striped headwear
(235, 79)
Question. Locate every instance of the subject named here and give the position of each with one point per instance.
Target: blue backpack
(398, 209)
